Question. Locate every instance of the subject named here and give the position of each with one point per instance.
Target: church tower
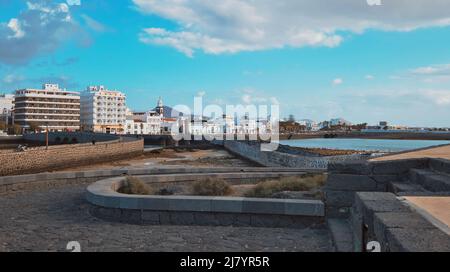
(160, 107)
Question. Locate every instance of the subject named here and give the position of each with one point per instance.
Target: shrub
(294, 184)
(211, 187)
(135, 186)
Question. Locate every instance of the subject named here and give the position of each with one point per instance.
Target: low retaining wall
(40, 159)
(44, 180)
(252, 151)
(193, 210)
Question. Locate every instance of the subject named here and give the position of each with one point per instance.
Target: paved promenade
(45, 220)
(442, 152)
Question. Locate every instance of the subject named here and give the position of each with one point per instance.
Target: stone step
(405, 187)
(341, 234)
(430, 180)
(440, 165)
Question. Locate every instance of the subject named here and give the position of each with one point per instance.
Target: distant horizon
(366, 63)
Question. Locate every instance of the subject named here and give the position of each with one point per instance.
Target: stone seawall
(252, 152)
(39, 159)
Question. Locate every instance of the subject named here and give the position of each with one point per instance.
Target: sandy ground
(170, 157)
(442, 152)
(438, 207)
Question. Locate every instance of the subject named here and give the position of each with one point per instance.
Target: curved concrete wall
(45, 180)
(200, 210)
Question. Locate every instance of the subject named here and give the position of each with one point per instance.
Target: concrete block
(346, 182)
(384, 221)
(95, 199)
(206, 219)
(375, 196)
(131, 216)
(242, 220)
(150, 217)
(398, 167)
(437, 183)
(411, 240)
(339, 198)
(130, 203)
(182, 218)
(263, 206)
(190, 203)
(355, 168)
(440, 165)
(111, 202)
(155, 203)
(225, 219)
(227, 204)
(304, 207)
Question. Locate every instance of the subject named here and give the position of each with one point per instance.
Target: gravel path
(46, 220)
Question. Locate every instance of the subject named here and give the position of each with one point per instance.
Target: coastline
(371, 135)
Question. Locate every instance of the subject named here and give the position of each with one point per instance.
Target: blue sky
(317, 59)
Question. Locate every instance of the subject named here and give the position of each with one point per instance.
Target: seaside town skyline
(340, 68)
(158, 118)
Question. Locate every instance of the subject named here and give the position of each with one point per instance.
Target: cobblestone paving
(48, 220)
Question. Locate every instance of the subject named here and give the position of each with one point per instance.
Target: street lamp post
(46, 132)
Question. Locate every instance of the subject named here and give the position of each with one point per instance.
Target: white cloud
(337, 81)
(231, 26)
(369, 77)
(39, 28)
(439, 97)
(74, 2)
(251, 96)
(432, 74)
(441, 69)
(16, 28)
(12, 78)
(93, 24)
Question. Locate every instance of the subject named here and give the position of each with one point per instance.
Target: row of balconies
(50, 107)
(49, 112)
(46, 100)
(49, 118)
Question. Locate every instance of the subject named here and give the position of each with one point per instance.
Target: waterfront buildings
(103, 110)
(49, 107)
(143, 123)
(6, 108)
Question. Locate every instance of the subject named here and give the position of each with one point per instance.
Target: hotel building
(51, 107)
(103, 110)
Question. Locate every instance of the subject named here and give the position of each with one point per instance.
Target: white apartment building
(51, 107)
(103, 110)
(6, 107)
(247, 126)
(143, 123)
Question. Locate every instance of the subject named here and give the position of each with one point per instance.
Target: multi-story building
(143, 123)
(6, 108)
(103, 110)
(49, 107)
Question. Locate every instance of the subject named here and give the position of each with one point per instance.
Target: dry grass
(135, 186)
(211, 187)
(293, 184)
